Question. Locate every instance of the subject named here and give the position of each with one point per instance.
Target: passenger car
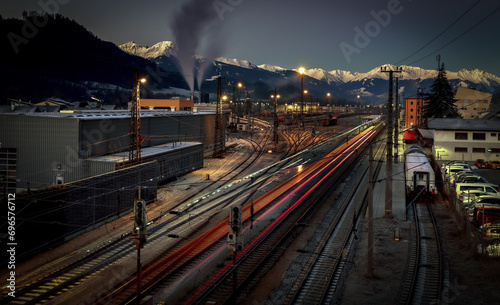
(483, 187)
(481, 163)
(494, 164)
(484, 210)
(491, 232)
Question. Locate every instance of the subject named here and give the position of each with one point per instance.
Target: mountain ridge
(168, 48)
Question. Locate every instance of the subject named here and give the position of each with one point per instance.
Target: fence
(476, 239)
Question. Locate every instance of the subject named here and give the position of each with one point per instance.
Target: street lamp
(239, 91)
(275, 96)
(301, 71)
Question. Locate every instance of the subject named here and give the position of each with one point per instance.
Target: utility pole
(388, 171)
(235, 240)
(370, 213)
(139, 233)
(134, 155)
(248, 109)
(275, 116)
(219, 129)
(396, 122)
(302, 71)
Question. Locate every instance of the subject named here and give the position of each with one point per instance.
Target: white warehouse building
(467, 140)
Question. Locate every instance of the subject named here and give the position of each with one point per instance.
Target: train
(420, 178)
(330, 121)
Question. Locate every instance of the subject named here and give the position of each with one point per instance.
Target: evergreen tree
(441, 100)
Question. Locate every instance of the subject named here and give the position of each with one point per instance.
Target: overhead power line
(459, 36)
(437, 36)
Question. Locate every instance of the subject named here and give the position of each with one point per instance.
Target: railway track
(258, 254)
(52, 284)
(424, 274)
(55, 283)
(320, 280)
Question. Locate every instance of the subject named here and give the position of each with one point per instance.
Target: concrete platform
(398, 192)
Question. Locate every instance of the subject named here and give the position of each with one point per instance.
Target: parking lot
(492, 175)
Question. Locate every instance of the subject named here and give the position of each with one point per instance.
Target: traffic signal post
(139, 232)
(234, 239)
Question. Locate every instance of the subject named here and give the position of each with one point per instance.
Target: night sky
(355, 35)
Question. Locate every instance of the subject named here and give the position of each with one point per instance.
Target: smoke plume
(196, 21)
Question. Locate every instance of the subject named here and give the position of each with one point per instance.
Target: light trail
(226, 267)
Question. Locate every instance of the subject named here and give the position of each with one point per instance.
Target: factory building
(47, 148)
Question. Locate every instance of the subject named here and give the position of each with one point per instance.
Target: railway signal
(235, 220)
(139, 232)
(140, 221)
(234, 240)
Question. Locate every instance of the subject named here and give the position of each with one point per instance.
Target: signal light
(235, 219)
(139, 214)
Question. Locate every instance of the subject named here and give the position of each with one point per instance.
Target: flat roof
(146, 152)
(103, 114)
(462, 124)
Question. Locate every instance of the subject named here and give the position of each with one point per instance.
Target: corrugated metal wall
(42, 143)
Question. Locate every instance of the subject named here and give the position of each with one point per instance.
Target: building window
(471, 116)
(478, 150)
(475, 108)
(460, 136)
(411, 110)
(495, 150)
(411, 103)
(479, 136)
(464, 108)
(411, 117)
(493, 134)
(460, 149)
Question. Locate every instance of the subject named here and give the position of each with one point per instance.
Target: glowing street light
(302, 70)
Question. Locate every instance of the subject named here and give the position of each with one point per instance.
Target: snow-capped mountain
(371, 85)
(164, 48)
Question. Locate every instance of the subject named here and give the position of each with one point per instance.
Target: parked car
(448, 164)
(467, 197)
(472, 179)
(483, 187)
(481, 163)
(469, 201)
(455, 177)
(494, 164)
(456, 168)
(491, 233)
(481, 213)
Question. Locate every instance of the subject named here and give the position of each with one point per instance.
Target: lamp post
(301, 71)
(239, 91)
(275, 96)
(135, 121)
